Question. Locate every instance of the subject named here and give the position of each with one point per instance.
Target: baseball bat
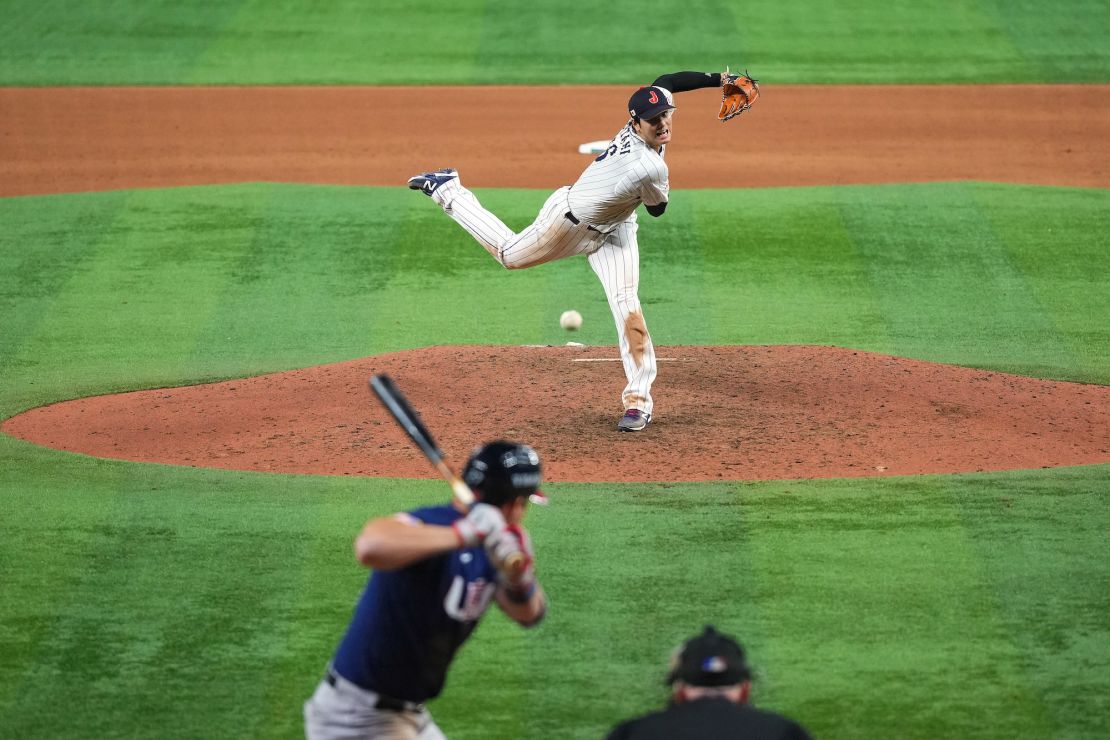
(405, 415)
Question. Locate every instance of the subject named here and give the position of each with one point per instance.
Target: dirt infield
(57, 140)
(746, 413)
(723, 412)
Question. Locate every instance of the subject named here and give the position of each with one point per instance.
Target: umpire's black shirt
(709, 719)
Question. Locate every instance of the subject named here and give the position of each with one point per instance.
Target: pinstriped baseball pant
(614, 257)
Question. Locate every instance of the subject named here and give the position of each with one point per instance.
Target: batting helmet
(501, 471)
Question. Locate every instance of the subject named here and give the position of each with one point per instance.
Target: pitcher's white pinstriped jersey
(596, 217)
(624, 175)
(609, 191)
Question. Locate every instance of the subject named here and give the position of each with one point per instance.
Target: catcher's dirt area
(721, 413)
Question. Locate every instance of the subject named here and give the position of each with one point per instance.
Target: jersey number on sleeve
(611, 150)
(624, 140)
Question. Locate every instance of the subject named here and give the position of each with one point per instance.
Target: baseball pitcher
(436, 570)
(596, 216)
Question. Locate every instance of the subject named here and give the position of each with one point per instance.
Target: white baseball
(571, 320)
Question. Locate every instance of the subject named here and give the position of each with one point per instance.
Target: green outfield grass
(52, 42)
(158, 601)
(192, 603)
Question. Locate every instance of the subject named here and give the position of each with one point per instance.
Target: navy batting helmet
(501, 471)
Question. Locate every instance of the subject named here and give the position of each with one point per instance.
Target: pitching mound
(740, 413)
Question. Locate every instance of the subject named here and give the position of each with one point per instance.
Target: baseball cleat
(428, 182)
(633, 420)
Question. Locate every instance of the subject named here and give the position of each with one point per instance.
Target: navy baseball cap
(648, 102)
(710, 659)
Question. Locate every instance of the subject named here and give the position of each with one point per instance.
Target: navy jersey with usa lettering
(409, 622)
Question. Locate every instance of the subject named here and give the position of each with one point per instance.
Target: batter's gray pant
(346, 711)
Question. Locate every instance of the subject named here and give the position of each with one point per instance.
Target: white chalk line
(617, 359)
(601, 359)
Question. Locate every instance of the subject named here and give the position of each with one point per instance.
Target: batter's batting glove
(504, 544)
(476, 526)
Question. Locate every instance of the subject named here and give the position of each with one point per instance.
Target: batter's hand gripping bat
(405, 415)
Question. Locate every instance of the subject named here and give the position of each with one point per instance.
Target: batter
(436, 570)
(596, 216)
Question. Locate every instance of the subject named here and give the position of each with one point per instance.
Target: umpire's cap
(709, 659)
(501, 471)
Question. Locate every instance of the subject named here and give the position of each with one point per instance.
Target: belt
(570, 217)
(383, 702)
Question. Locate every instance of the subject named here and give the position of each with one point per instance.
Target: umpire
(436, 570)
(709, 699)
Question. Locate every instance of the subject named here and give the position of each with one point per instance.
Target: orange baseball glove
(738, 92)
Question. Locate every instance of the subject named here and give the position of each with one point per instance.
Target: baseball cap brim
(655, 110)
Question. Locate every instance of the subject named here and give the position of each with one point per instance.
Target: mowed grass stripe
(150, 591)
(939, 268)
(50, 547)
(46, 244)
(346, 42)
(57, 43)
(157, 270)
(145, 629)
(897, 33)
(569, 42)
(1039, 538)
(1066, 46)
(896, 595)
(304, 286)
(1071, 296)
(782, 269)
